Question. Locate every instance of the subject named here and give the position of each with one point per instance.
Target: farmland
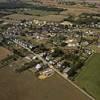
(19, 17)
(3, 53)
(53, 18)
(25, 86)
(79, 10)
(88, 79)
(44, 12)
(27, 7)
(53, 42)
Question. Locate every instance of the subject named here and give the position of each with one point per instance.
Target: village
(56, 44)
(49, 49)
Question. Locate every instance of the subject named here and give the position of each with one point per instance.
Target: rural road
(63, 76)
(59, 73)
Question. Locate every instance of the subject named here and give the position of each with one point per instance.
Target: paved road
(63, 76)
(59, 73)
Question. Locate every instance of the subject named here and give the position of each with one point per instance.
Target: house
(28, 59)
(88, 51)
(1, 38)
(51, 62)
(72, 43)
(38, 66)
(66, 69)
(66, 23)
(85, 43)
(47, 58)
(59, 65)
(98, 45)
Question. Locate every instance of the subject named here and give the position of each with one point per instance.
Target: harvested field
(79, 10)
(25, 86)
(19, 17)
(52, 18)
(3, 53)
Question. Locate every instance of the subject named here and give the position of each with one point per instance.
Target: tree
(57, 52)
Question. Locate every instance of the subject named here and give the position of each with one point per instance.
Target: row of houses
(46, 55)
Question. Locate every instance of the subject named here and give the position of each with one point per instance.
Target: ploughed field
(3, 53)
(25, 86)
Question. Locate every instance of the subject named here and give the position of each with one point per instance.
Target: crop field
(3, 53)
(88, 79)
(65, 0)
(35, 12)
(25, 86)
(19, 17)
(53, 18)
(77, 10)
(20, 0)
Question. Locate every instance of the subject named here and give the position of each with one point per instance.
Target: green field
(35, 10)
(89, 79)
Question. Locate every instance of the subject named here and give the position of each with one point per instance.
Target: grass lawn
(88, 79)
